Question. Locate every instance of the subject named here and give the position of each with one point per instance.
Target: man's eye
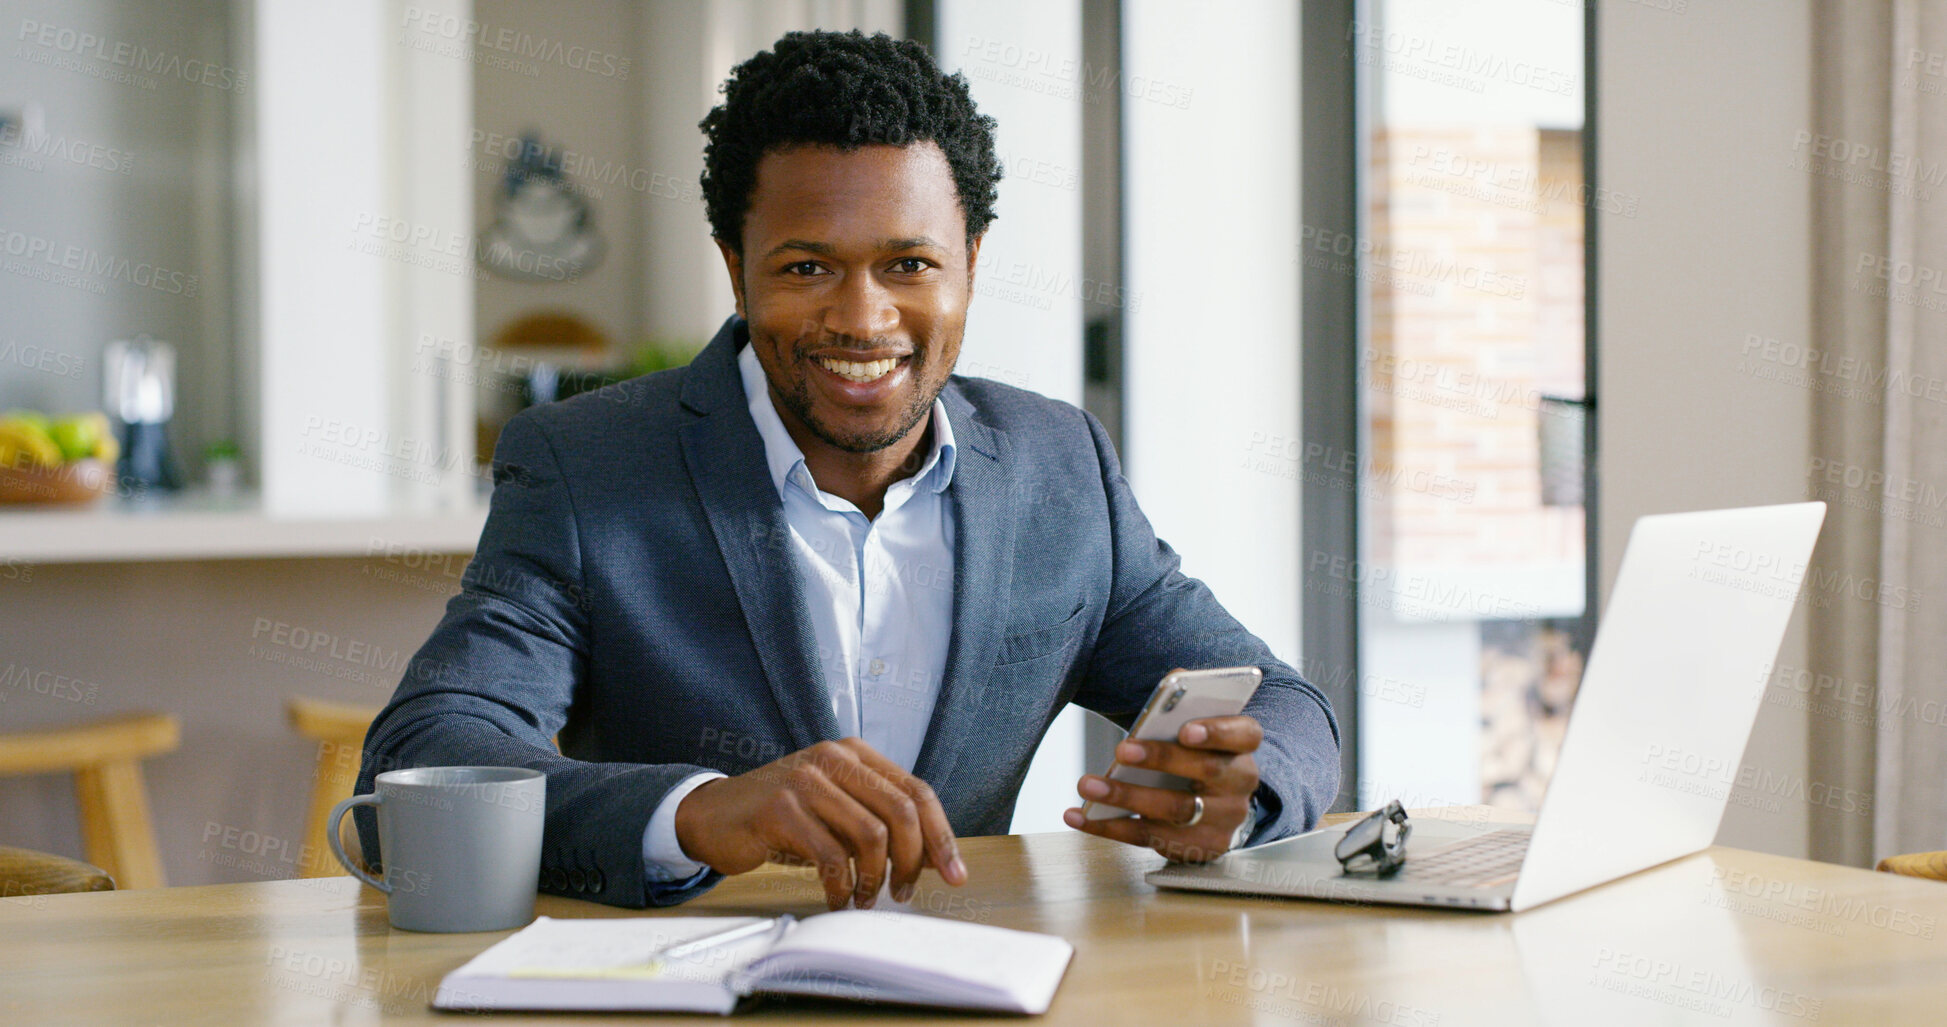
(910, 265)
(803, 268)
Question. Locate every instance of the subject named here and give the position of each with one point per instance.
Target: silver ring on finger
(1196, 812)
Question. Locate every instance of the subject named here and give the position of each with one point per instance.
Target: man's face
(855, 278)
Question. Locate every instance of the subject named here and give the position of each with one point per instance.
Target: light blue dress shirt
(879, 593)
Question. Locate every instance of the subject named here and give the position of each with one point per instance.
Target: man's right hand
(840, 806)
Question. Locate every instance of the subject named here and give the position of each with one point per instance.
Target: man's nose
(861, 309)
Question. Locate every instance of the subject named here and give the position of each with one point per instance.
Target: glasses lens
(1359, 837)
(1366, 833)
(1376, 842)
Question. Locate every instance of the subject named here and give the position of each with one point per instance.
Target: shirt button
(878, 667)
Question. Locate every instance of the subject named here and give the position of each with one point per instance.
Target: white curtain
(1877, 149)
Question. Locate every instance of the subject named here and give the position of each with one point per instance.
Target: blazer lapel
(983, 562)
(725, 458)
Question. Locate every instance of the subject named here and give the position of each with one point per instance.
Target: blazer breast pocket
(1032, 645)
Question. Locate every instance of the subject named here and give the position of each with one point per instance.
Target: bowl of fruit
(56, 460)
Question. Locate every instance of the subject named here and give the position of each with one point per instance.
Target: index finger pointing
(941, 849)
(1236, 734)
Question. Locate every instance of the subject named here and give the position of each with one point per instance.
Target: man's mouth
(860, 371)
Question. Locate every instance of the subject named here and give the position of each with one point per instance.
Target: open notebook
(855, 955)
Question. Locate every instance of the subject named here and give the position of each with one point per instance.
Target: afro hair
(848, 90)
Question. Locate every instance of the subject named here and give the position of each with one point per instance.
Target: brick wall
(1474, 282)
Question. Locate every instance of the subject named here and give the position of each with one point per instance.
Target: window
(1470, 355)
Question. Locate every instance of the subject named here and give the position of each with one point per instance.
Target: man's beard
(798, 401)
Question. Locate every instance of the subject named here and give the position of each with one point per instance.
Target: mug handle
(332, 822)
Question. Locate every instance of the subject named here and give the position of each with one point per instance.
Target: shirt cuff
(663, 858)
(1244, 830)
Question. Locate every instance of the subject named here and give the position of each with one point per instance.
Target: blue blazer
(633, 592)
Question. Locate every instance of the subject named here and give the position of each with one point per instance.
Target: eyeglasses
(1367, 841)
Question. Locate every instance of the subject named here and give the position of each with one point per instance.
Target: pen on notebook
(686, 949)
(656, 963)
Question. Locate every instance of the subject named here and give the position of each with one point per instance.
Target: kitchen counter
(196, 525)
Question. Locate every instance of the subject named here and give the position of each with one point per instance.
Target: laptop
(1673, 685)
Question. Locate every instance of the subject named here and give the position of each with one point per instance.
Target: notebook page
(602, 964)
(605, 947)
(904, 957)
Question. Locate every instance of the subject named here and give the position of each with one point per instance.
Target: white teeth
(856, 371)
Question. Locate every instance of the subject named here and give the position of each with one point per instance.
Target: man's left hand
(1215, 754)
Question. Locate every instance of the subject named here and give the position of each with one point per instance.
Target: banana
(32, 417)
(25, 444)
(108, 449)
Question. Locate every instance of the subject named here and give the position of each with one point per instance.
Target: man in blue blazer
(814, 598)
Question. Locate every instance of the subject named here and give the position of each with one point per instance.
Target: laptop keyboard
(1484, 861)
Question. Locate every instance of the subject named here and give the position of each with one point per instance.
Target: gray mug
(461, 846)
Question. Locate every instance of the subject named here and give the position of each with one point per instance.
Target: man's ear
(973, 258)
(735, 265)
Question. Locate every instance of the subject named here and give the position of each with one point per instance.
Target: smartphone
(1182, 696)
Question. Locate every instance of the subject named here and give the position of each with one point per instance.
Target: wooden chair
(26, 872)
(339, 729)
(106, 760)
(1930, 865)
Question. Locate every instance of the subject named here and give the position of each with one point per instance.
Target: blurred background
(1343, 279)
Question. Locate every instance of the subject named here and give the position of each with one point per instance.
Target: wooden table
(1726, 936)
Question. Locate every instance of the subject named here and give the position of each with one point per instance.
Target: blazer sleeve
(1159, 619)
(493, 684)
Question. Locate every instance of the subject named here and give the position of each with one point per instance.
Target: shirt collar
(784, 458)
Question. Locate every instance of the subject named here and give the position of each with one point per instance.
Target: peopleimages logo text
(132, 56)
(95, 264)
